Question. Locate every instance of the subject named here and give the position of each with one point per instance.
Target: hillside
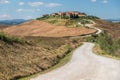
(109, 40)
(42, 28)
(42, 46)
(44, 43)
(112, 28)
(25, 56)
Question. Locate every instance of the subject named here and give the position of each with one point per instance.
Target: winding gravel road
(85, 65)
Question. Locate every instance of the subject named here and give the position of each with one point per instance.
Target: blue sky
(30, 9)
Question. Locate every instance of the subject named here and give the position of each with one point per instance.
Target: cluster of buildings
(73, 14)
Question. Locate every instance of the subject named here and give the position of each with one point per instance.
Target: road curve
(85, 65)
(92, 26)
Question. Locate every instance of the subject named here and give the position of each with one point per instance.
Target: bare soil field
(41, 28)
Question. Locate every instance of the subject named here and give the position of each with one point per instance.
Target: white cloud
(4, 1)
(20, 10)
(35, 4)
(28, 17)
(5, 16)
(21, 3)
(105, 1)
(27, 10)
(93, 0)
(53, 5)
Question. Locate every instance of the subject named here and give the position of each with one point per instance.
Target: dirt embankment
(41, 28)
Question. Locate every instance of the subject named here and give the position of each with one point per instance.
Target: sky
(31, 9)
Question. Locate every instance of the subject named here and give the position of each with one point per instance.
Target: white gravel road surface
(85, 65)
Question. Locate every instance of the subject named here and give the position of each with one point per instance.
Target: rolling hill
(43, 44)
(42, 28)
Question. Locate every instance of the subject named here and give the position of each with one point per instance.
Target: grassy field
(68, 22)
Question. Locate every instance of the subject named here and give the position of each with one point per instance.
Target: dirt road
(85, 65)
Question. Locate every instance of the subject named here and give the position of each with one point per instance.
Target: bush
(9, 39)
(43, 18)
(92, 17)
(106, 42)
(53, 21)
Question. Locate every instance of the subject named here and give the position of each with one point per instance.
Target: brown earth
(112, 28)
(41, 28)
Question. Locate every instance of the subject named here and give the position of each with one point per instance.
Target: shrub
(106, 42)
(9, 39)
(92, 17)
(53, 21)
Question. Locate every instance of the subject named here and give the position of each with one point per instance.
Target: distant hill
(12, 22)
(113, 20)
(2, 26)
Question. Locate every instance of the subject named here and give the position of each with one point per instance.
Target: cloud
(35, 4)
(28, 17)
(53, 5)
(93, 0)
(105, 1)
(21, 3)
(4, 1)
(5, 16)
(20, 10)
(27, 10)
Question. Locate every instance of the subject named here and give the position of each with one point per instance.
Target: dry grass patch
(36, 55)
(61, 62)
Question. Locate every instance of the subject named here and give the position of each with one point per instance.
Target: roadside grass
(61, 63)
(97, 50)
(106, 46)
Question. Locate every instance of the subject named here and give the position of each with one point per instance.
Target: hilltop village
(73, 14)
